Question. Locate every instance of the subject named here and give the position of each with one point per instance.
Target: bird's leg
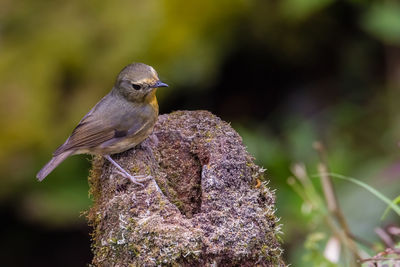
(135, 179)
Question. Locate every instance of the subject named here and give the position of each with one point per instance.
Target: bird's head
(138, 80)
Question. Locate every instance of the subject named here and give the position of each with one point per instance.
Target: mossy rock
(212, 208)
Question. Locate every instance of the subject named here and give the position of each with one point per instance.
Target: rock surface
(212, 209)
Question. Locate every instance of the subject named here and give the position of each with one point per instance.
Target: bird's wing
(88, 133)
(100, 126)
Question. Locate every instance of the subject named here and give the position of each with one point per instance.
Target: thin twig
(385, 237)
(332, 202)
(380, 259)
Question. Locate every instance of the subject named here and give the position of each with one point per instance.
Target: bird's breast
(151, 99)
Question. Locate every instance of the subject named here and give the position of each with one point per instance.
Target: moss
(178, 204)
(103, 251)
(135, 169)
(95, 187)
(234, 223)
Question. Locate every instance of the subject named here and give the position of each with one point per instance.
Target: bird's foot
(136, 179)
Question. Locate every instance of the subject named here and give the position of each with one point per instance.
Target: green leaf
(395, 202)
(369, 188)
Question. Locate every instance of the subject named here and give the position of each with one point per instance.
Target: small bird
(120, 121)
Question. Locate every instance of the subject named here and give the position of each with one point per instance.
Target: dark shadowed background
(284, 73)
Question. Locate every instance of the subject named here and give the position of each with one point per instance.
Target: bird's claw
(136, 179)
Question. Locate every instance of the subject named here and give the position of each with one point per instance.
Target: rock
(212, 208)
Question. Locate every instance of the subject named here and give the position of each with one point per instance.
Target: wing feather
(89, 133)
(104, 124)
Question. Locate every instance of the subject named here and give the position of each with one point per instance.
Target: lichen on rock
(210, 211)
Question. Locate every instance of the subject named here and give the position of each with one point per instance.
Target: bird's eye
(136, 86)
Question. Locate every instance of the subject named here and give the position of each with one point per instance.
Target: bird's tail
(49, 167)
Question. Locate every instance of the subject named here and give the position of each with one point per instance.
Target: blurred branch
(385, 237)
(332, 202)
(383, 257)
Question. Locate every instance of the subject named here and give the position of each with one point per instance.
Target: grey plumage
(118, 122)
(51, 165)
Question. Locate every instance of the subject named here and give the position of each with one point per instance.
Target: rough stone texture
(213, 210)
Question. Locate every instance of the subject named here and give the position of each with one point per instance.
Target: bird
(118, 122)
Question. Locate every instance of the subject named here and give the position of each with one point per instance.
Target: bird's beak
(159, 84)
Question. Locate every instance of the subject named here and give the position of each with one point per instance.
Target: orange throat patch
(152, 99)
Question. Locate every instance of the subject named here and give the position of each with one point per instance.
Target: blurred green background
(285, 73)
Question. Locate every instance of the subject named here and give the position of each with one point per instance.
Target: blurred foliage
(302, 9)
(58, 58)
(314, 253)
(330, 241)
(286, 73)
(383, 21)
